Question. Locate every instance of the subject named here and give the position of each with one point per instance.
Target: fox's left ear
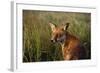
(52, 26)
(66, 26)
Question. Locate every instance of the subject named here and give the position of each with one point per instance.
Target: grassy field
(37, 33)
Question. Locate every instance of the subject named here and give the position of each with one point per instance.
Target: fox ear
(52, 26)
(66, 26)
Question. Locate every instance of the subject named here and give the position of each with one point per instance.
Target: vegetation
(37, 33)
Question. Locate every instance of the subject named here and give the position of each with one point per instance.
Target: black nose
(51, 40)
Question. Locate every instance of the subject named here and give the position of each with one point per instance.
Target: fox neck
(64, 38)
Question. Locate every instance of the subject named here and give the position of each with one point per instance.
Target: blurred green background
(37, 33)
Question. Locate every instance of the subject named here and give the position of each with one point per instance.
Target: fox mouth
(58, 41)
(54, 41)
(61, 39)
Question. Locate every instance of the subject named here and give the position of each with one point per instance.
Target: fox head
(58, 33)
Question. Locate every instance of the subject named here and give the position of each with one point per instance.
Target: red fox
(71, 46)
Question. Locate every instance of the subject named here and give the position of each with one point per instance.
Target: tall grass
(37, 33)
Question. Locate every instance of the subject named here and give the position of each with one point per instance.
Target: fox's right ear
(66, 26)
(52, 26)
